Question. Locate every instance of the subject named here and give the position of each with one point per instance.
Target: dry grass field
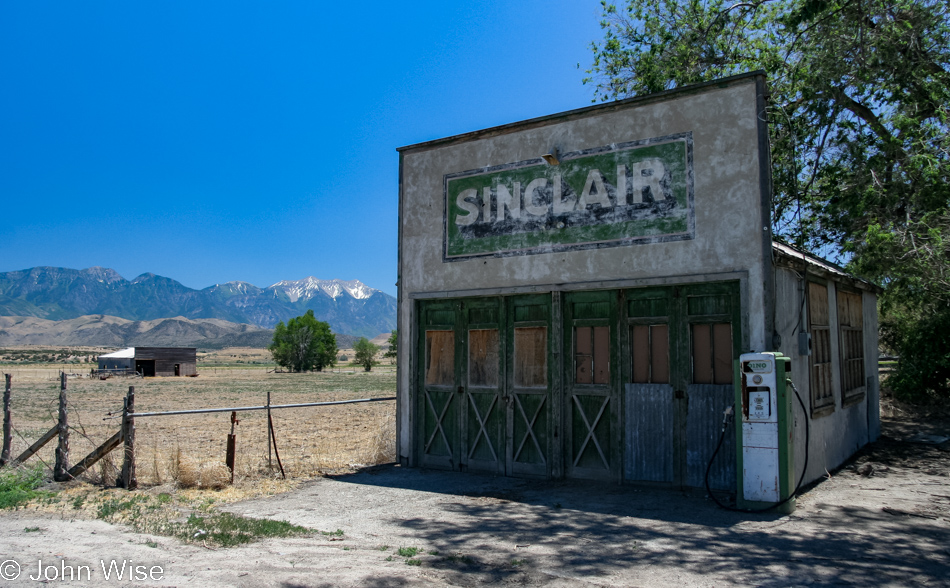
(309, 440)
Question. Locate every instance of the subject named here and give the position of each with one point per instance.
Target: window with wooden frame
(712, 353)
(851, 345)
(819, 325)
(592, 355)
(440, 358)
(650, 354)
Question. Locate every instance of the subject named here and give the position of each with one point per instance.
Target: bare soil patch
(881, 520)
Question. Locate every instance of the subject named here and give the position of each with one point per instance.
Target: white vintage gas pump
(765, 465)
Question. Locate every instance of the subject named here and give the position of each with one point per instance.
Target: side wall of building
(166, 358)
(835, 434)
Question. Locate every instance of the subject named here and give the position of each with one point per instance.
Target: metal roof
(820, 266)
(126, 353)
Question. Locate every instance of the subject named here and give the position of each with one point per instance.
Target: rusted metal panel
(648, 433)
(707, 402)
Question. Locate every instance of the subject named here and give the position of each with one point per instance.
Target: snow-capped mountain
(307, 288)
(350, 306)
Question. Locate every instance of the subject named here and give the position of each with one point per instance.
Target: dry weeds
(190, 449)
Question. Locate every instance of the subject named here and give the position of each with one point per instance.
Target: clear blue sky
(218, 141)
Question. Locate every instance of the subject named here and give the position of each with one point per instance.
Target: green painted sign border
(603, 236)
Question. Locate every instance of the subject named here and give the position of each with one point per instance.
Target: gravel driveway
(882, 520)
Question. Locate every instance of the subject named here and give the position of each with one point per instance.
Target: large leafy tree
(365, 353)
(858, 117)
(304, 344)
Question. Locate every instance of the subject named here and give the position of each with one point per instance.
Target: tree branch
(868, 116)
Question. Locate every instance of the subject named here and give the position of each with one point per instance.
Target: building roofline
(823, 266)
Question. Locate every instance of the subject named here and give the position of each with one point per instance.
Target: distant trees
(303, 344)
(392, 341)
(365, 353)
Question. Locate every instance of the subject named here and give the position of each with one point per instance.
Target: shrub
(19, 484)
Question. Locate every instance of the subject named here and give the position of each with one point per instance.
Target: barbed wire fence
(310, 438)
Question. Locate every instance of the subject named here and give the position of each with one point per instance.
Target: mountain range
(58, 294)
(100, 330)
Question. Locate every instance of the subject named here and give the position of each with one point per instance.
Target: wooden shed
(152, 361)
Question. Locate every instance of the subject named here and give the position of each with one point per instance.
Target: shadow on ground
(496, 529)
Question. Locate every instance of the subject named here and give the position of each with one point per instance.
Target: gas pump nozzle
(727, 416)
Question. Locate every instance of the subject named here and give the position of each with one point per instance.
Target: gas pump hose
(729, 415)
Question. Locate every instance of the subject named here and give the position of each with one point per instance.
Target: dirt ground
(882, 520)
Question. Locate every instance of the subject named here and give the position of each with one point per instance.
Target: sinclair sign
(622, 194)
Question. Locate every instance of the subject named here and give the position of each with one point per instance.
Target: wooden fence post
(232, 446)
(60, 473)
(128, 480)
(7, 422)
(270, 434)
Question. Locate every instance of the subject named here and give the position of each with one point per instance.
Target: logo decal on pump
(757, 367)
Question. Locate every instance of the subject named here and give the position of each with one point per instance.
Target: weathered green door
(678, 353)
(529, 385)
(438, 401)
(649, 374)
(711, 313)
(462, 412)
(482, 385)
(591, 385)
(485, 385)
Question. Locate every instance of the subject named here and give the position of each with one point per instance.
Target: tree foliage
(858, 119)
(393, 341)
(303, 344)
(365, 353)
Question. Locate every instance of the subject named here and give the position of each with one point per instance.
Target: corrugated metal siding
(648, 435)
(703, 427)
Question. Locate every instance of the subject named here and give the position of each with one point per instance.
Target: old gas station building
(574, 292)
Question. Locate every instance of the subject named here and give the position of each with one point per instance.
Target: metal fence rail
(245, 408)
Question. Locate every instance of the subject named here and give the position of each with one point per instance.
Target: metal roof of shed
(821, 266)
(126, 353)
